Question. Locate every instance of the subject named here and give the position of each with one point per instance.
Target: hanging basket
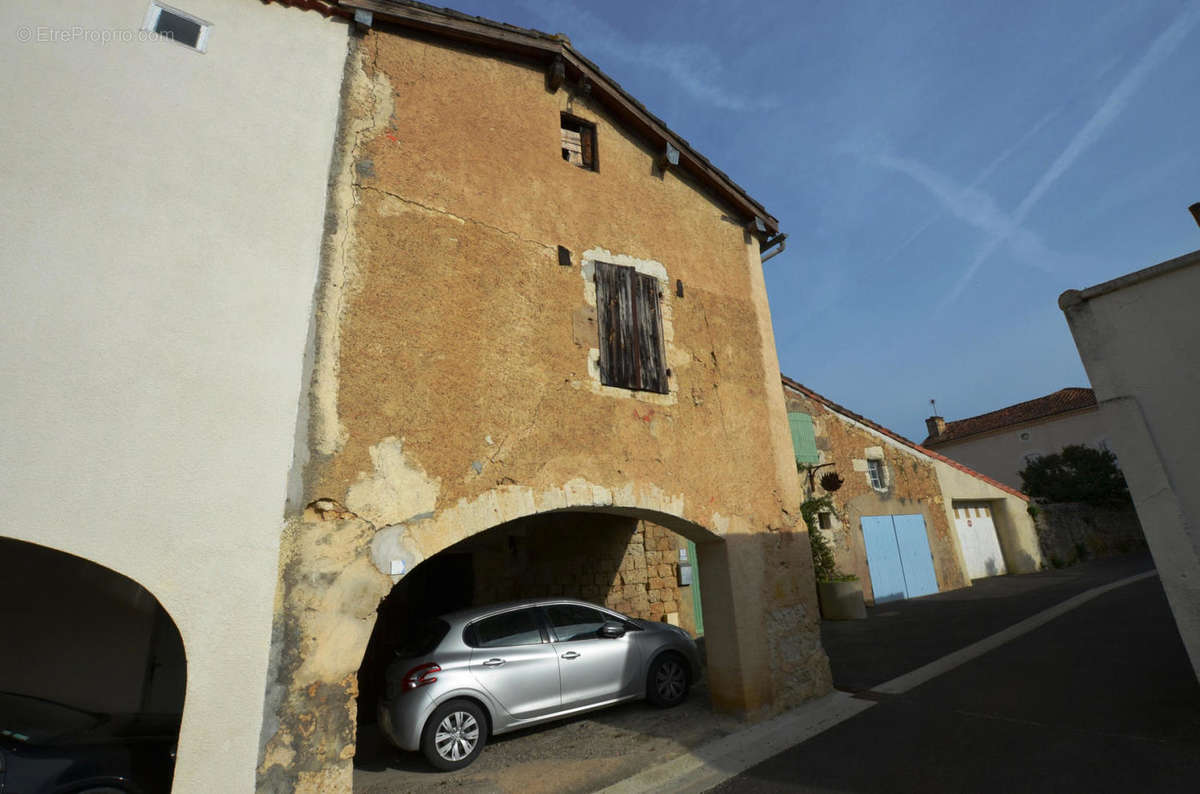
(831, 481)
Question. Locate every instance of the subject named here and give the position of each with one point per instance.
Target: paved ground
(1101, 699)
(903, 635)
(584, 754)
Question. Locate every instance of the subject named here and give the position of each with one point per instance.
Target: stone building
(1000, 443)
(434, 312)
(541, 352)
(906, 520)
(1137, 336)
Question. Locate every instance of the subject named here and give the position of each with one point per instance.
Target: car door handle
(570, 655)
(493, 663)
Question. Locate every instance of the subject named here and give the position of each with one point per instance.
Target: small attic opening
(578, 142)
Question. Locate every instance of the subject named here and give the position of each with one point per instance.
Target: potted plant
(840, 593)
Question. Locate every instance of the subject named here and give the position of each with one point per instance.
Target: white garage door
(977, 534)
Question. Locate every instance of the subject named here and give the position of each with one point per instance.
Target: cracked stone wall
(451, 389)
(911, 487)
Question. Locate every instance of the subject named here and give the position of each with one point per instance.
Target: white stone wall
(1001, 455)
(1138, 337)
(1015, 528)
(163, 219)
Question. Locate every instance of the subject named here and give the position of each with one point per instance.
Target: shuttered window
(630, 321)
(578, 142)
(804, 441)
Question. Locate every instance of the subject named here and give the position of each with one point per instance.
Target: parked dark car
(52, 748)
(489, 670)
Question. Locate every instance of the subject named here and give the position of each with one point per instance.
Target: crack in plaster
(372, 91)
(459, 218)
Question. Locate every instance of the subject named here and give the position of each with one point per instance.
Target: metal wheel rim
(670, 680)
(456, 736)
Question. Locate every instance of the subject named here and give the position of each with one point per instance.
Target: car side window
(574, 622)
(519, 627)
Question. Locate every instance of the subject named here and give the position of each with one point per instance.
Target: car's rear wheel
(668, 680)
(454, 735)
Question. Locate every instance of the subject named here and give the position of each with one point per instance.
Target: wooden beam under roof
(545, 47)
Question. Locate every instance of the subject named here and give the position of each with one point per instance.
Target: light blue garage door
(898, 557)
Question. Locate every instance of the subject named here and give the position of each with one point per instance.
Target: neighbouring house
(1138, 338)
(999, 443)
(163, 207)
(907, 521)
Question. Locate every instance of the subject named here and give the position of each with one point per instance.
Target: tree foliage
(1076, 474)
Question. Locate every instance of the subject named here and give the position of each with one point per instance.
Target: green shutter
(804, 442)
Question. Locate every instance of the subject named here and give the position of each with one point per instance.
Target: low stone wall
(1070, 532)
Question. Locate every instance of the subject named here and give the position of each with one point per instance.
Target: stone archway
(336, 566)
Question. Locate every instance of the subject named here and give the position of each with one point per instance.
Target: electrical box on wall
(685, 574)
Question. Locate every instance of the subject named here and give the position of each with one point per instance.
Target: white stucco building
(164, 204)
(1138, 337)
(1002, 442)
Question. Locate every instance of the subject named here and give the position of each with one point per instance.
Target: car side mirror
(611, 629)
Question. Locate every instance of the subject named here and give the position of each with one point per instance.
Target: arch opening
(89, 649)
(622, 559)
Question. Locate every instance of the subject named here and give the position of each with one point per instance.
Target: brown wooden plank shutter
(630, 324)
(614, 366)
(587, 143)
(651, 367)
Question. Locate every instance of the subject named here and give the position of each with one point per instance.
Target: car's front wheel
(454, 735)
(668, 680)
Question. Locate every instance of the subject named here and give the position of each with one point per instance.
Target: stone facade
(623, 563)
(1069, 533)
(454, 390)
(911, 487)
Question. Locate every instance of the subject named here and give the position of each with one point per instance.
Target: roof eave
(546, 47)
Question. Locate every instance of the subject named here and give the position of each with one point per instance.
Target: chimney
(936, 426)
(1195, 210)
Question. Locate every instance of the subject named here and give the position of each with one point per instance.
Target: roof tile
(1061, 401)
(788, 383)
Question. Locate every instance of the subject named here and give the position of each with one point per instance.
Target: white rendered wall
(1139, 338)
(163, 212)
(1001, 455)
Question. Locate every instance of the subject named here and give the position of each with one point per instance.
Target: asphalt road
(1101, 699)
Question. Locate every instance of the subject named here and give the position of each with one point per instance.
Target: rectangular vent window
(578, 142)
(177, 26)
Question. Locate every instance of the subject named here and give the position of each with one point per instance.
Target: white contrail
(1093, 128)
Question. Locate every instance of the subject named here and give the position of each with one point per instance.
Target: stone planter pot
(841, 600)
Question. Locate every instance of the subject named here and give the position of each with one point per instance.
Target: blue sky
(944, 170)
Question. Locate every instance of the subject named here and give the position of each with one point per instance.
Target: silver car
(489, 670)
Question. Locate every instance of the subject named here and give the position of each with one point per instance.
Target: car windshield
(423, 639)
(31, 719)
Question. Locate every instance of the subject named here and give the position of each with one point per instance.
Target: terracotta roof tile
(788, 383)
(1061, 401)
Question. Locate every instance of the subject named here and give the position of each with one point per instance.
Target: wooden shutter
(804, 441)
(648, 316)
(614, 315)
(630, 324)
(587, 145)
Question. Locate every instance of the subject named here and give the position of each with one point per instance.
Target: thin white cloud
(1112, 106)
(949, 197)
(696, 70)
(972, 206)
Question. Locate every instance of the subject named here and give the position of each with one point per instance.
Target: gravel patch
(577, 755)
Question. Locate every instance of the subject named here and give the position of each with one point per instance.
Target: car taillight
(421, 675)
